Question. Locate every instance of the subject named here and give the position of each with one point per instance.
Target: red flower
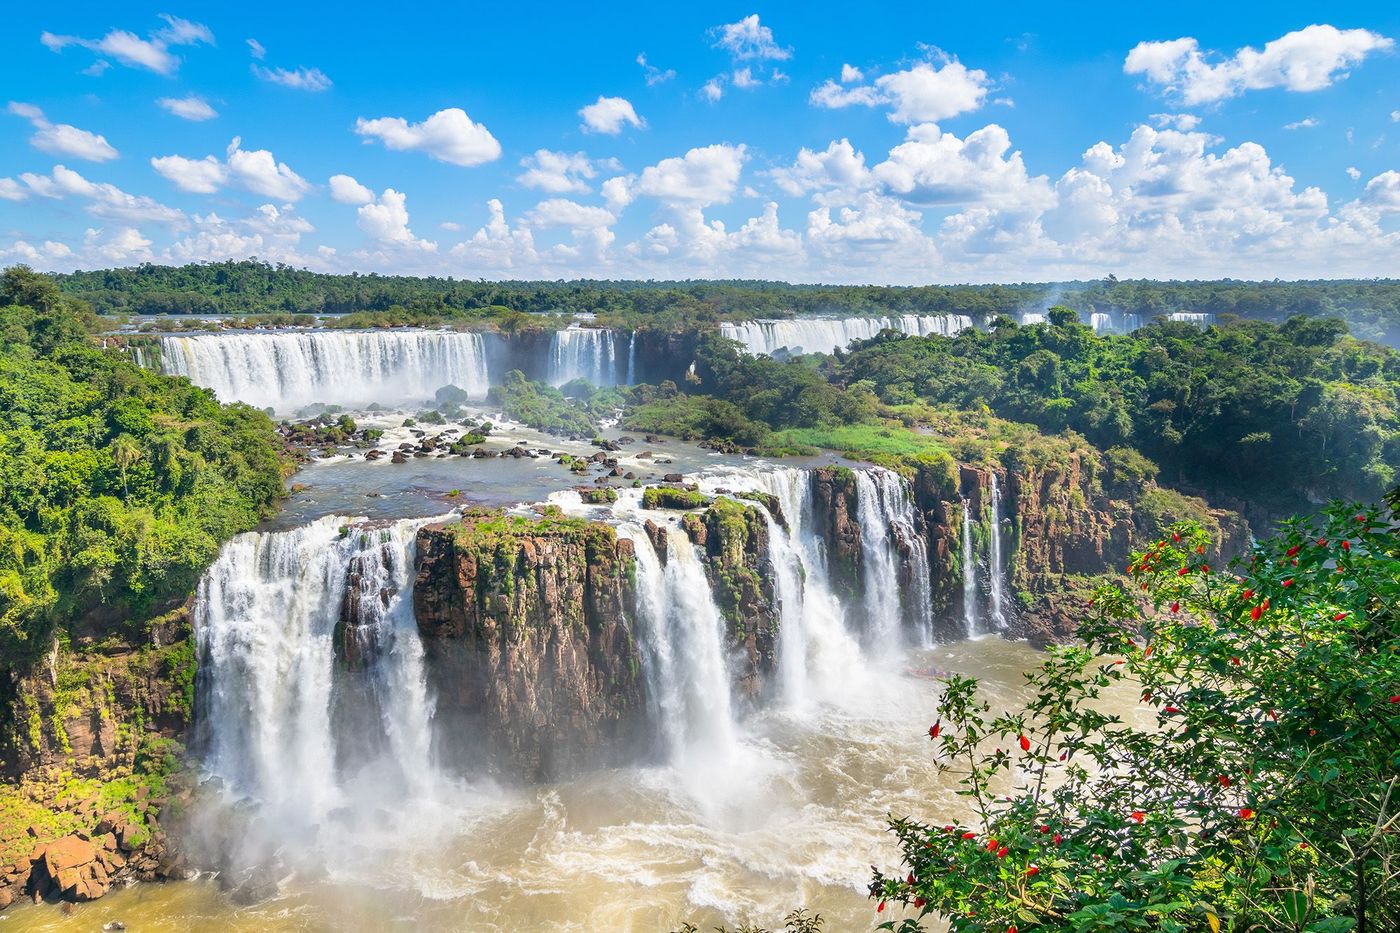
(1182, 572)
(1176, 607)
(1339, 617)
(1171, 709)
(1247, 594)
(1001, 853)
(880, 908)
(991, 845)
(1224, 781)
(1025, 744)
(1205, 568)
(1360, 518)
(1044, 829)
(1235, 661)
(1302, 845)
(1176, 537)
(919, 902)
(1246, 813)
(948, 829)
(1138, 815)
(1256, 612)
(1064, 755)
(934, 729)
(910, 879)
(1288, 582)
(1321, 542)
(1395, 699)
(1346, 545)
(1058, 839)
(1032, 871)
(1292, 552)
(969, 835)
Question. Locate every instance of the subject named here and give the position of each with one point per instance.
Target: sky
(888, 143)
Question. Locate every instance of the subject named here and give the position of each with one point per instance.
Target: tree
(125, 452)
(1258, 789)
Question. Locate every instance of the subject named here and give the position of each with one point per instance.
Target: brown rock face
(834, 503)
(528, 642)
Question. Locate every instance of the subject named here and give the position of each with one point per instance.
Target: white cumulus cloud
(152, 53)
(609, 115)
(448, 136)
(557, 172)
(198, 176)
(190, 107)
(347, 190)
(1307, 59)
(749, 39)
(924, 93)
(703, 176)
(63, 139)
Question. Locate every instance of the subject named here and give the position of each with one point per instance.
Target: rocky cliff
(528, 640)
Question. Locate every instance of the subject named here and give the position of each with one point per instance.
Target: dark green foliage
(1254, 791)
(1274, 413)
(117, 485)
(670, 497)
(540, 406)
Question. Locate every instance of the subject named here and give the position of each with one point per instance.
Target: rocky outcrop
(528, 641)
(732, 537)
(90, 756)
(834, 503)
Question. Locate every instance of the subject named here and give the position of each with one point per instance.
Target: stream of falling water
(997, 569)
(969, 573)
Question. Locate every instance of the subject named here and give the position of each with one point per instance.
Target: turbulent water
(291, 369)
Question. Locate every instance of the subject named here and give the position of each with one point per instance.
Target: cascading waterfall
(1199, 318)
(266, 618)
(584, 353)
(824, 335)
(996, 570)
(969, 573)
(885, 513)
(289, 370)
(681, 632)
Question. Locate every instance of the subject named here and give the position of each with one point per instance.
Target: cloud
(701, 177)
(255, 49)
(609, 115)
(11, 190)
(1306, 123)
(270, 232)
(654, 75)
(347, 190)
(61, 138)
(1395, 116)
(254, 170)
(103, 200)
(713, 89)
(932, 168)
(921, 94)
(260, 173)
(198, 176)
(1353, 173)
(1383, 192)
(190, 107)
(557, 172)
(836, 174)
(1186, 122)
(385, 220)
(850, 74)
(743, 79)
(562, 212)
(152, 53)
(748, 39)
(1307, 59)
(301, 79)
(448, 136)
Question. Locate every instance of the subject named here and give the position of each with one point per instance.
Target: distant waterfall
(587, 353)
(969, 573)
(681, 633)
(266, 619)
(1117, 322)
(997, 569)
(824, 335)
(291, 369)
(1199, 318)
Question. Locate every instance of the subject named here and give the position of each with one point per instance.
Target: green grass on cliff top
(862, 440)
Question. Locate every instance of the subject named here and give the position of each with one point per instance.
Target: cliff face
(526, 626)
(834, 504)
(733, 540)
(89, 755)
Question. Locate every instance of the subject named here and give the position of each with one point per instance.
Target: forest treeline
(1371, 307)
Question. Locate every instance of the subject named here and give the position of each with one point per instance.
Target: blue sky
(899, 143)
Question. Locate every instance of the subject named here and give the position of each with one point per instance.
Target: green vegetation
(1275, 414)
(671, 497)
(540, 406)
(1372, 307)
(117, 486)
(1257, 791)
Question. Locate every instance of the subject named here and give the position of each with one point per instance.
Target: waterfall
(632, 358)
(816, 651)
(969, 573)
(583, 353)
(1028, 318)
(289, 370)
(682, 634)
(885, 513)
(825, 335)
(1199, 318)
(266, 619)
(997, 570)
